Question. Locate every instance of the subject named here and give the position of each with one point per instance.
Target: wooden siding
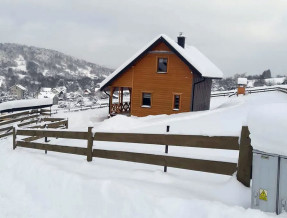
(241, 90)
(202, 92)
(143, 77)
(161, 47)
(178, 79)
(124, 80)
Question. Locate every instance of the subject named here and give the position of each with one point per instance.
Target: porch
(120, 100)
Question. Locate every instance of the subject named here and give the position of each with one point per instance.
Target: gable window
(146, 99)
(162, 65)
(176, 102)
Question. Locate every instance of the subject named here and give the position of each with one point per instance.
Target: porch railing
(118, 108)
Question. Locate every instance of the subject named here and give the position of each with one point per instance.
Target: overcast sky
(237, 35)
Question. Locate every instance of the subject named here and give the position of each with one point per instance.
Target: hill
(35, 67)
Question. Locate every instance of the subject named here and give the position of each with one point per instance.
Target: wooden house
(164, 77)
(18, 91)
(241, 86)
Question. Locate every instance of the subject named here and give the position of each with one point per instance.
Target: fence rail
(218, 142)
(218, 167)
(26, 118)
(250, 91)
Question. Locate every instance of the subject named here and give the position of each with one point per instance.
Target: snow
(21, 87)
(46, 89)
(59, 185)
(25, 103)
(197, 59)
(190, 53)
(21, 64)
(46, 92)
(225, 119)
(43, 95)
(33, 184)
(268, 125)
(242, 81)
(275, 81)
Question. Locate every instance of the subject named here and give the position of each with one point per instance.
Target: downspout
(109, 101)
(194, 84)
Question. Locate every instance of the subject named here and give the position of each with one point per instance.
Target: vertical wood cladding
(143, 77)
(202, 94)
(241, 90)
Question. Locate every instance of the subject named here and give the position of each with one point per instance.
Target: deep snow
(33, 184)
(268, 125)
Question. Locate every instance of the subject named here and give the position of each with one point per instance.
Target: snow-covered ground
(33, 184)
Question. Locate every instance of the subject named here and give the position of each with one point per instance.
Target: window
(162, 65)
(176, 102)
(146, 101)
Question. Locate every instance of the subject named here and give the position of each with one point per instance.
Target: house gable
(159, 48)
(153, 47)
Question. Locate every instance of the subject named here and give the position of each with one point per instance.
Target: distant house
(60, 92)
(241, 86)
(164, 77)
(18, 91)
(46, 92)
(87, 92)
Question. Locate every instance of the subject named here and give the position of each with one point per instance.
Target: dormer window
(162, 65)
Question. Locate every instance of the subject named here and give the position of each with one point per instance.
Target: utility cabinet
(282, 198)
(269, 182)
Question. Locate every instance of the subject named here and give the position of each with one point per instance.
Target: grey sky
(238, 36)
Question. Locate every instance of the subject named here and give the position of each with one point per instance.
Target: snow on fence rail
(80, 108)
(216, 142)
(25, 118)
(250, 91)
(25, 104)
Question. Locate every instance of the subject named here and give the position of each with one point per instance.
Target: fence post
(90, 144)
(245, 158)
(67, 124)
(166, 150)
(14, 138)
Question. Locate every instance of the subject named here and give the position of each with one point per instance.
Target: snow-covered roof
(242, 81)
(20, 87)
(191, 54)
(46, 89)
(25, 103)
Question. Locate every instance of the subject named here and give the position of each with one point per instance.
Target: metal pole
(166, 149)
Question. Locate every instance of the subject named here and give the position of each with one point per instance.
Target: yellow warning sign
(263, 194)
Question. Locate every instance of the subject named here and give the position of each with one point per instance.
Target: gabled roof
(197, 62)
(20, 87)
(242, 81)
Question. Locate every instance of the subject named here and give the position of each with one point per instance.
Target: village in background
(89, 95)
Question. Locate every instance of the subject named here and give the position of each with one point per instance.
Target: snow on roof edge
(187, 53)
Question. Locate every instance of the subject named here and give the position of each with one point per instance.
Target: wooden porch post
(130, 91)
(122, 90)
(111, 98)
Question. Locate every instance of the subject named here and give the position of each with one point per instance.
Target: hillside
(35, 67)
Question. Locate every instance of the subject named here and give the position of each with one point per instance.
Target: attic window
(162, 65)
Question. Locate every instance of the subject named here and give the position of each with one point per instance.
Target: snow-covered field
(33, 184)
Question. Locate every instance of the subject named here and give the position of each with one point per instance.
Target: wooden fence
(250, 91)
(243, 167)
(83, 108)
(26, 118)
